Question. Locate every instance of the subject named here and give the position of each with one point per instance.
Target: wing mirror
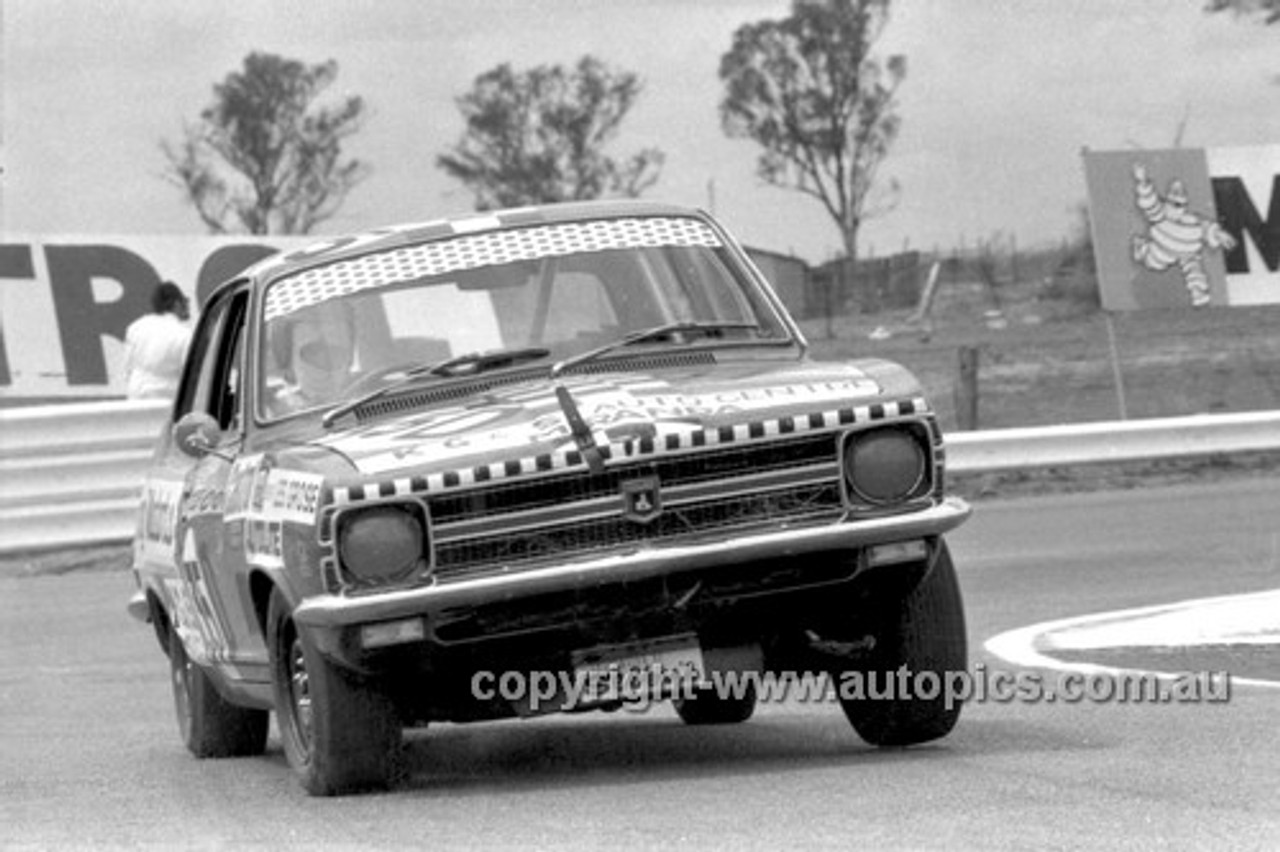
(197, 434)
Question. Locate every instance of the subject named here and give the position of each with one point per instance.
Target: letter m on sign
(1239, 216)
(1246, 198)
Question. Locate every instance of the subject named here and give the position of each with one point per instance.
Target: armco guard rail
(70, 474)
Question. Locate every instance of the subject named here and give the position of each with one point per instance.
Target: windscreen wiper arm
(706, 327)
(469, 363)
(479, 362)
(578, 427)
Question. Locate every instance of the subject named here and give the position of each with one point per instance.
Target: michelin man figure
(1176, 236)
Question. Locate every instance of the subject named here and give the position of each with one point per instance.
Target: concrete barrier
(70, 474)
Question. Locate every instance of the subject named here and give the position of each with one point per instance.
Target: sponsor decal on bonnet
(531, 417)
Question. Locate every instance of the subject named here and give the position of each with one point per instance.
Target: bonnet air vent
(431, 396)
(646, 362)
(422, 397)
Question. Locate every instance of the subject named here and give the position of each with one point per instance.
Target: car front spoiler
(337, 611)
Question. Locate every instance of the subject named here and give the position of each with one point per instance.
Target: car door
(209, 606)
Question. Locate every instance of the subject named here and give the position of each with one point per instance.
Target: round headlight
(381, 545)
(884, 466)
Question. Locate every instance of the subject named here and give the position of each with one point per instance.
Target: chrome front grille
(708, 492)
(673, 471)
(738, 513)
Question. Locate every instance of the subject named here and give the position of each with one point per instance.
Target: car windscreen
(331, 331)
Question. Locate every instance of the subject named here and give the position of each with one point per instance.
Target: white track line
(1227, 620)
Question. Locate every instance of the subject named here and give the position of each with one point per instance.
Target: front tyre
(210, 725)
(925, 633)
(340, 735)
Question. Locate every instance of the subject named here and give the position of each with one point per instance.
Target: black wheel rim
(300, 694)
(180, 670)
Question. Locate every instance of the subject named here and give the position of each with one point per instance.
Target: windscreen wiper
(467, 364)
(708, 328)
(578, 427)
(479, 362)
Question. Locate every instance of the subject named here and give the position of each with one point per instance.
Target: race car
(548, 459)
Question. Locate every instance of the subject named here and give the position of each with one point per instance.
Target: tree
(262, 158)
(538, 136)
(806, 90)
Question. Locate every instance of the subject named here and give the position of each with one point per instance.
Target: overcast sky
(1000, 97)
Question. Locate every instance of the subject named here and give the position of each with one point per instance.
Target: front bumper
(330, 612)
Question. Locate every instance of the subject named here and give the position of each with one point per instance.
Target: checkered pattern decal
(321, 283)
(630, 450)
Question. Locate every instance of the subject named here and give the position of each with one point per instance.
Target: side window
(193, 394)
(227, 397)
(215, 369)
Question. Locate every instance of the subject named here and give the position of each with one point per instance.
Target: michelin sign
(1186, 227)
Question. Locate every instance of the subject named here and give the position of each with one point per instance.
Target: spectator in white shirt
(156, 344)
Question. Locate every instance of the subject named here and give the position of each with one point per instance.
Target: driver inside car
(314, 350)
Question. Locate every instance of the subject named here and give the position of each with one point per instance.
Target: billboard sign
(65, 302)
(1185, 227)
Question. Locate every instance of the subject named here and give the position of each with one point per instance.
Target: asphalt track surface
(90, 758)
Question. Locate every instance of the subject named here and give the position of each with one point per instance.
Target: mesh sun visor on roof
(441, 257)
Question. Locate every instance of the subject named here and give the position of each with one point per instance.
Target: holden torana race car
(410, 471)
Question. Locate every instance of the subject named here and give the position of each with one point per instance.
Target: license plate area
(647, 670)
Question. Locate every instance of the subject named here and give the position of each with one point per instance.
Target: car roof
(336, 248)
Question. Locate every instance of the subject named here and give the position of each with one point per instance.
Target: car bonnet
(521, 428)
